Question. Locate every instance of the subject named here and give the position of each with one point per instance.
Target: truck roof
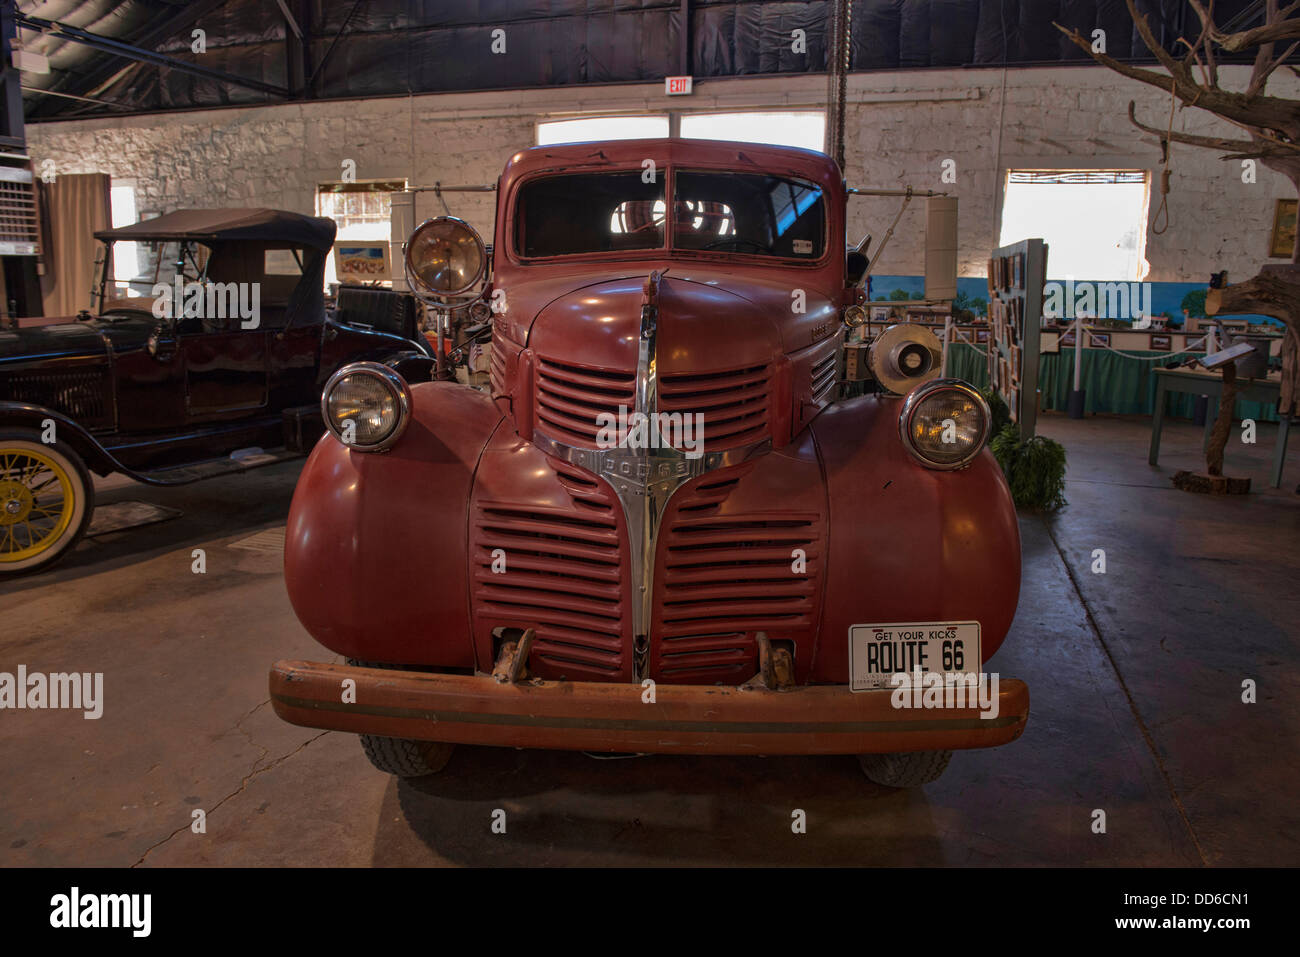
(668, 151)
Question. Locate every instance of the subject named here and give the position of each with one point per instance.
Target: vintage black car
(221, 343)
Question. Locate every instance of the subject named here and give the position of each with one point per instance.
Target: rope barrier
(1162, 357)
(962, 338)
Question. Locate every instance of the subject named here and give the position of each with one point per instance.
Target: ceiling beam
(117, 48)
(109, 67)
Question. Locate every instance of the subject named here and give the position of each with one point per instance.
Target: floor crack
(242, 785)
(239, 726)
(1128, 695)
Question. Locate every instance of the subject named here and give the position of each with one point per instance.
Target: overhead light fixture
(28, 61)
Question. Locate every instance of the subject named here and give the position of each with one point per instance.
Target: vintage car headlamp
(445, 259)
(944, 423)
(366, 406)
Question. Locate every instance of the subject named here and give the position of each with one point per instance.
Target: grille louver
(570, 398)
(725, 577)
(733, 403)
(563, 577)
(823, 378)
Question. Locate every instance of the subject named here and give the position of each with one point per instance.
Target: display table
(1202, 382)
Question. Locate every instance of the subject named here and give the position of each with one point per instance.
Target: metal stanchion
(1074, 405)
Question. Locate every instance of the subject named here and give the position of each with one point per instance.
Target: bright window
(1094, 221)
(361, 211)
(803, 129)
(126, 256)
(592, 128)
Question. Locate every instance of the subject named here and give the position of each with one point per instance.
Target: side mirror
(857, 262)
(855, 267)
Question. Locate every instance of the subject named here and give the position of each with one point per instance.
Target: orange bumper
(592, 716)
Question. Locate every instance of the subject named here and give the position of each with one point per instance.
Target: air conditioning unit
(19, 220)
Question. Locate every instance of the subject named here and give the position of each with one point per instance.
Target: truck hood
(703, 324)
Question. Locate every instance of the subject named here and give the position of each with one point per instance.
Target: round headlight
(366, 406)
(445, 258)
(944, 423)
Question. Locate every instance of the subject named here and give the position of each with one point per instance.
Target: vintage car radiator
(734, 404)
(570, 398)
(79, 393)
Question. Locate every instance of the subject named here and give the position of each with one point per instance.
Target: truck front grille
(563, 576)
(734, 403)
(723, 577)
(570, 398)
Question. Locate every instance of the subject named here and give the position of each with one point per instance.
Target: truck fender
(956, 531)
(374, 556)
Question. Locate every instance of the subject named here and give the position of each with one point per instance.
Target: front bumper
(593, 716)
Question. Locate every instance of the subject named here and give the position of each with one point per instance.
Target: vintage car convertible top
(662, 531)
(258, 224)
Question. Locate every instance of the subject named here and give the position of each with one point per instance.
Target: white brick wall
(901, 126)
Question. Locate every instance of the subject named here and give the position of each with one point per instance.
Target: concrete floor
(1136, 710)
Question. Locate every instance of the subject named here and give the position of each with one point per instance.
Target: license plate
(878, 651)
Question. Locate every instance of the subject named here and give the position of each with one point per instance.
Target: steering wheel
(734, 241)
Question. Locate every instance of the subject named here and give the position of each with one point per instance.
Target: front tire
(404, 757)
(46, 500)
(907, 770)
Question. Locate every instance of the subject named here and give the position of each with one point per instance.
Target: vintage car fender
(412, 366)
(342, 344)
(374, 558)
(908, 543)
(27, 415)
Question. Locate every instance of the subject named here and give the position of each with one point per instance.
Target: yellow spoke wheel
(44, 502)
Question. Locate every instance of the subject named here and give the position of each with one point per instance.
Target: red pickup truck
(662, 529)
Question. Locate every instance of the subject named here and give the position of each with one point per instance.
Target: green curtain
(1113, 383)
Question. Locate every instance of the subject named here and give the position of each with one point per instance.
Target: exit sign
(677, 85)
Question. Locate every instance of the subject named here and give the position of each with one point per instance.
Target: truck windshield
(747, 213)
(590, 213)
